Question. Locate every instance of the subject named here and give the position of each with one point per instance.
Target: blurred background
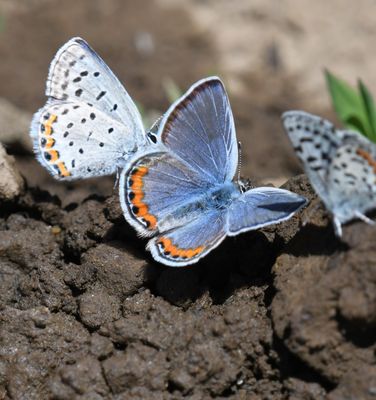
(270, 54)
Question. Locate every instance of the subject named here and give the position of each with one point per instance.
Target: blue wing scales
(260, 207)
(199, 128)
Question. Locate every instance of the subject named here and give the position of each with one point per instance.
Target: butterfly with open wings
(183, 195)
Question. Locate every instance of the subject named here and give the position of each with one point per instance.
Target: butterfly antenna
(240, 159)
(153, 131)
(240, 183)
(154, 128)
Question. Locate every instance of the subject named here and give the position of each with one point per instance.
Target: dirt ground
(288, 312)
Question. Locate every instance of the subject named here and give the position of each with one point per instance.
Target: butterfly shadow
(312, 239)
(241, 261)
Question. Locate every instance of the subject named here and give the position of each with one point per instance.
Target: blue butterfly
(183, 194)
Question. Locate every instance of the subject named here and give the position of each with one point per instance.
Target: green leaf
(349, 105)
(369, 106)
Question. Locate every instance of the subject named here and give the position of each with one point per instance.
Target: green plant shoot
(354, 107)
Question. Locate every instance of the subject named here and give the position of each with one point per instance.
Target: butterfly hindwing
(352, 176)
(187, 244)
(74, 140)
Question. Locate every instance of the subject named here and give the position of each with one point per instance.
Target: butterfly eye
(152, 137)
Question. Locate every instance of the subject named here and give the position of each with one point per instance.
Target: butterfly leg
(337, 227)
(364, 218)
(117, 177)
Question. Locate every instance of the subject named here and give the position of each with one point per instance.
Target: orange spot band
(151, 220)
(48, 125)
(173, 250)
(140, 209)
(54, 155)
(63, 169)
(50, 143)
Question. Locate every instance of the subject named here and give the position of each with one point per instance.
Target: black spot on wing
(306, 140)
(350, 175)
(329, 139)
(101, 94)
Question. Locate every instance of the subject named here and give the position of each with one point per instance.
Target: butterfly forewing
(315, 143)
(74, 140)
(260, 207)
(77, 73)
(154, 191)
(199, 127)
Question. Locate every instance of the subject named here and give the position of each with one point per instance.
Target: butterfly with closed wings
(183, 195)
(340, 164)
(89, 126)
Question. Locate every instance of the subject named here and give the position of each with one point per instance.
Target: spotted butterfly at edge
(89, 126)
(340, 164)
(183, 196)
